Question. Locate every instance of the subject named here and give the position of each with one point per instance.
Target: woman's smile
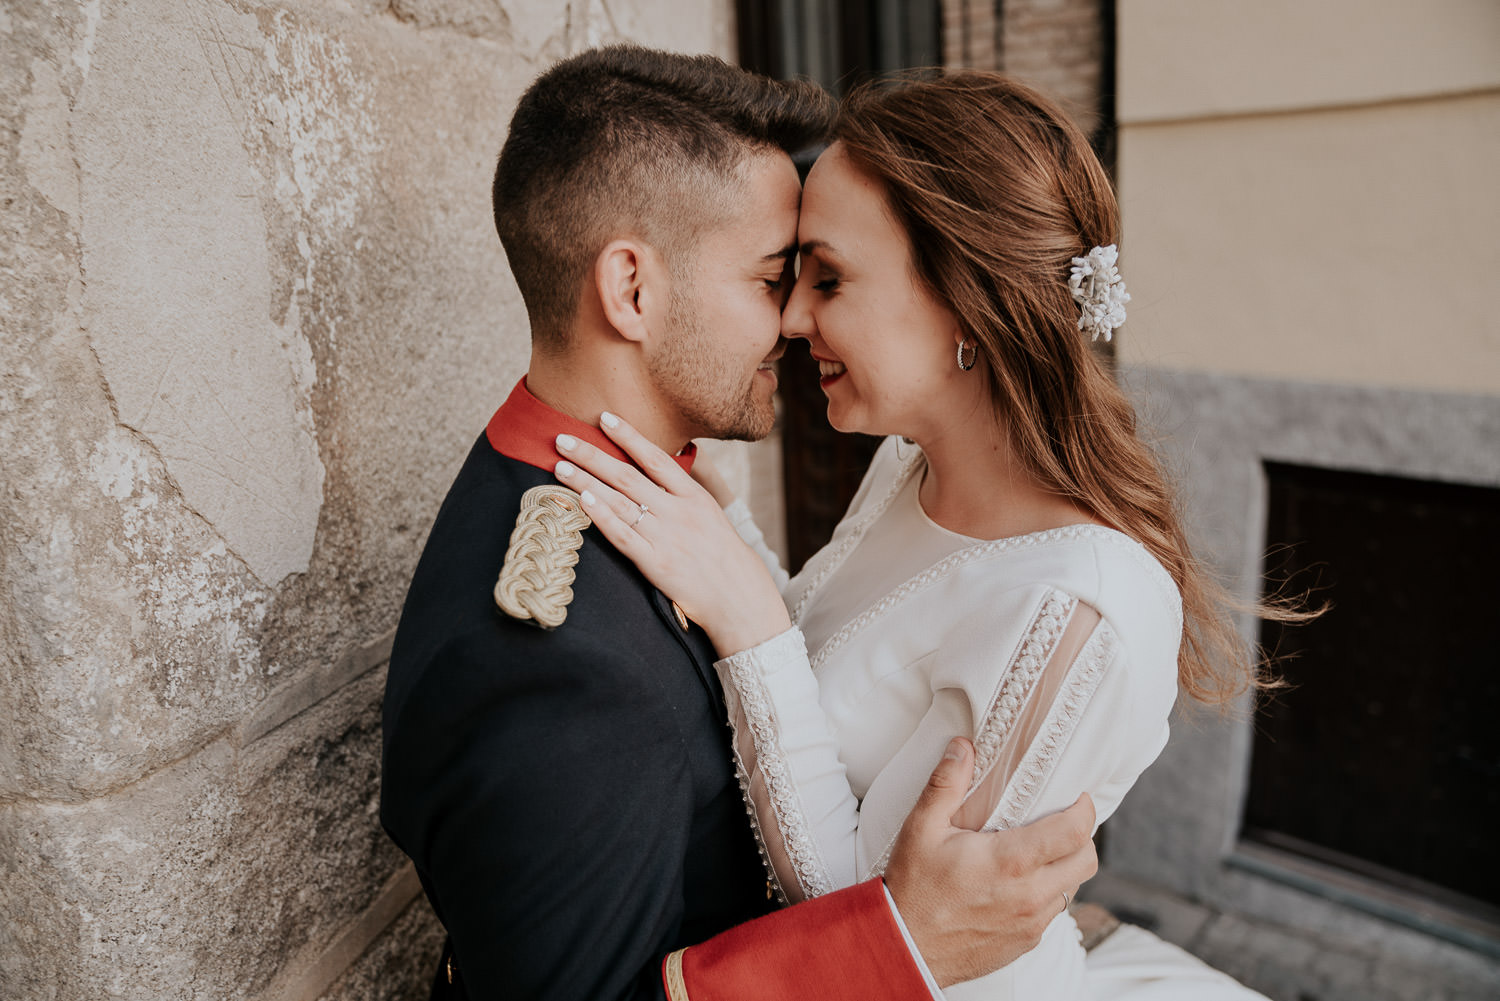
(829, 371)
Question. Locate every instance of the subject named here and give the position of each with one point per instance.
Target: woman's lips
(830, 372)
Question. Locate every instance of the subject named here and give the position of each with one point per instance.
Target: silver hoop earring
(973, 359)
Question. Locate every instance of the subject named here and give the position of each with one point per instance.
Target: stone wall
(254, 313)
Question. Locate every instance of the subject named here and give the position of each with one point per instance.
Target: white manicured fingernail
(608, 419)
(587, 497)
(565, 468)
(566, 442)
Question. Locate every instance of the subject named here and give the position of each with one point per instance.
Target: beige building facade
(1309, 204)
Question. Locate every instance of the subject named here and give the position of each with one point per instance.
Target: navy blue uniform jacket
(568, 797)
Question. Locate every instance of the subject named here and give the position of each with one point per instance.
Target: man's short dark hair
(631, 141)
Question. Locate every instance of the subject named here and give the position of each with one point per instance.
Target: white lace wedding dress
(1056, 652)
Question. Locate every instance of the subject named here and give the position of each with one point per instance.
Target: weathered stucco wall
(253, 314)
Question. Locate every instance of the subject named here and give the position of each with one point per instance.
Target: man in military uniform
(556, 756)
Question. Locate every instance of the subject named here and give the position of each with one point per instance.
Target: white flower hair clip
(1099, 291)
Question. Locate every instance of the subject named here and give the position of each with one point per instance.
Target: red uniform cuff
(843, 946)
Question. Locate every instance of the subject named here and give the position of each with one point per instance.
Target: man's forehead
(757, 240)
(765, 225)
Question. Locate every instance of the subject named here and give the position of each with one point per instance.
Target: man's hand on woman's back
(975, 901)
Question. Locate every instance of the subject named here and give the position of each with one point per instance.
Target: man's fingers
(945, 789)
(1066, 847)
(1059, 835)
(1071, 871)
(1082, 811)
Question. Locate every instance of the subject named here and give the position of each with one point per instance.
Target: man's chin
(747, 427)
(750, 436)
(744, 433)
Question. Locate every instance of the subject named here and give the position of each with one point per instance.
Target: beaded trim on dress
(832, 559)
(742, 774)
(760, 718)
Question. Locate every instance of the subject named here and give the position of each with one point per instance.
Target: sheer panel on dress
(981, 809)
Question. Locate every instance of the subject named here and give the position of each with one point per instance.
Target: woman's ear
(630, 278)
(955, 329)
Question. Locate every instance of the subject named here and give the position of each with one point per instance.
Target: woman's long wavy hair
(998, 191)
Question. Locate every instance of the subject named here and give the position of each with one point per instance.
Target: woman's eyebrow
(821, 247)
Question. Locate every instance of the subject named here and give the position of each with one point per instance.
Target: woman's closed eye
(826, 285)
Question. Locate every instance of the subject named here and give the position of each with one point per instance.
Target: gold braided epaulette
(536, 580)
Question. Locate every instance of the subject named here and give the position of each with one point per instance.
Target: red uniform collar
(526, 429)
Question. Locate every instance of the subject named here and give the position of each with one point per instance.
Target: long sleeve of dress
(1035, 676)
(805, 814)
(749, 532)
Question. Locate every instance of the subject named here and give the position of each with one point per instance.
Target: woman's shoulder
(1131, 580)
(1137, 601)
(1099, 566)
(1009, 594)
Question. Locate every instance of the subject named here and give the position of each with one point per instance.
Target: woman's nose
(796, 317)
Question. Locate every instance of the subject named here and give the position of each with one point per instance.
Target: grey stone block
(125, 894)
(310, 836)
(209, 877)
(126, 627)
(1179, 825)
(1292, 962)
(1167, 915)
(399, 965)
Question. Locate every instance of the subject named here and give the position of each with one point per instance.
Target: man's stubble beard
(704, 387)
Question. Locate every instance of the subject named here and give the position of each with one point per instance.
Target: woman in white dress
(1012, 569)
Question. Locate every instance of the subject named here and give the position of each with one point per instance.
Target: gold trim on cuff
(672, 974)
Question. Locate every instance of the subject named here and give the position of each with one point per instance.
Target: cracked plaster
(246, 263)
(178, 278)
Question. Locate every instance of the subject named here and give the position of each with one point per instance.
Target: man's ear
(631, 280)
